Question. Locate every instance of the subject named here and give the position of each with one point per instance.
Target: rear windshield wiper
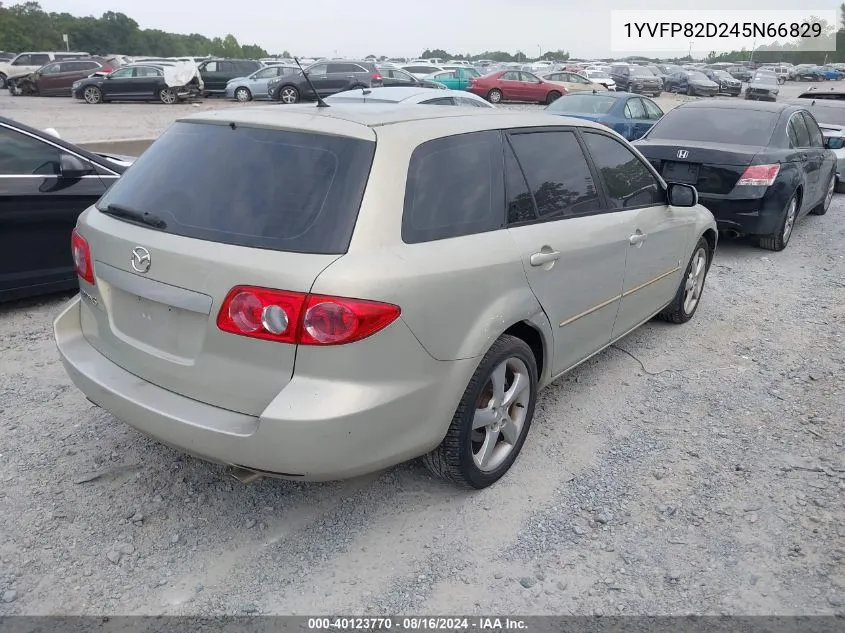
(144, 217)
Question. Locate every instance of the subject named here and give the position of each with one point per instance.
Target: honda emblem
(682, 153)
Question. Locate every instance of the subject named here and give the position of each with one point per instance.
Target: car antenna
(320, 102)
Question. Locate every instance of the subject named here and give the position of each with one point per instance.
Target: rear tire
(478, 457)
(553, 96)
(688, 296)
(494, 96)
(167, 96)
(690, 90)
(779, 240)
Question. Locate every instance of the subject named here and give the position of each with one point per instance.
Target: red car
(515, 85)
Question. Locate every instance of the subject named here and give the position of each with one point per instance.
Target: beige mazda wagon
(321, 292)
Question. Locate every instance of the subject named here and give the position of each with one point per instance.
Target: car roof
(358, 120)
(725, 104)
(398, 93)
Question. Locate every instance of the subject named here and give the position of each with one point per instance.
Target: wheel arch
(532, 335)
(711, 237)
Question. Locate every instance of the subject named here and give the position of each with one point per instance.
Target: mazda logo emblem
(140, 259)
(682, 153)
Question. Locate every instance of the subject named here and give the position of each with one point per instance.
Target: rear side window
(557, 173)
(454, 188)
(799, 135)
(39, 59)
(816, 138)
(274, 189)
(628, 181)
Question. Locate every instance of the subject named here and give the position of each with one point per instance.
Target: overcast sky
(399, 28)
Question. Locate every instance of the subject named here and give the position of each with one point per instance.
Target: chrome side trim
(651, 281)
(581, 315)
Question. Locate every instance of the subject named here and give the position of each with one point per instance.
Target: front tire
(494, 96)
(289, 95)
(492, 419)
(688, 296)
(243, 95)
(92, 95)
(824, 205)
(779, 240)
(553, 96)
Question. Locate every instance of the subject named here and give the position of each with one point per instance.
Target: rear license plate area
(680, 172)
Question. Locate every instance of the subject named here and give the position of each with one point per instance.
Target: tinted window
(557, 173)
(520, 201)
(716, 125)
(634, 109)
(816, 138)
(226, 67)
(651, 109)
(583, 104)
(464, 101)
(40, 59)
(421, 69)
(441, 101)
(801, 133)
(288, 191)
(454, 188)
(246, 67)
(23, 155)
(628, 181)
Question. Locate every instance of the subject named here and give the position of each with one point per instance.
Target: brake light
(376, 77)
(759, 175)
(302, 319)
(82, 257)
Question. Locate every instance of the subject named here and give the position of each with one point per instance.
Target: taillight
(759, 175)
(82, 257)
(302, 319)
(376, 77)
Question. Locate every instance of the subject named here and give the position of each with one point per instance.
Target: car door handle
(539, 259)
(637, 239)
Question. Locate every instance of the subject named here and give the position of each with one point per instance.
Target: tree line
(27, 27)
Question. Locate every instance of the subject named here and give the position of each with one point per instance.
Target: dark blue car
(630, 114)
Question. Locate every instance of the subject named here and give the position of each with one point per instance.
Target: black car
(328, 78)
(727, 84)
(396, 77)
(740, 72)
(138, 82)
(758, 167)
(691, 82)
(216, 73)
(763, 86)
(633, 78)
(45, 183)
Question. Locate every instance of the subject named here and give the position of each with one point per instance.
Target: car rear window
(716, 125)
(583, 104)
(273, 189)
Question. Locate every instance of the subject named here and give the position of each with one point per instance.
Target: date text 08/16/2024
(419, 623)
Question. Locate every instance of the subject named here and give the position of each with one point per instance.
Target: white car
(600, 77)
(409, 96)
(26, 63)
(421, 69)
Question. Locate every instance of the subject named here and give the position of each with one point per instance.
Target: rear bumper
(315, 429)
(748, 216)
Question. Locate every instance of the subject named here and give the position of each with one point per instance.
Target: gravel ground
(688, 469)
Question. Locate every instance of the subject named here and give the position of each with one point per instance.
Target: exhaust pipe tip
(244, 475)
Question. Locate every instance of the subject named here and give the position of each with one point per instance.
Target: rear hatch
(233, 205)
(708, 147)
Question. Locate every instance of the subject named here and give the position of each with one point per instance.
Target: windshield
(639, 71)
(597, 74)
(716, 125)
(764, 78)
(264, 188)
(721, 74)
(698, 76)
(582, 104)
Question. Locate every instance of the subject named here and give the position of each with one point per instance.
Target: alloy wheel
(91, 94)
(289, 95)
(500, 414)
(790, 220)
(695, 280)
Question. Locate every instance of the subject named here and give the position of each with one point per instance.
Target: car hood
(704, 83)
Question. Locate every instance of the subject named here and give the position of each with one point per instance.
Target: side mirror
(71, 167)
(833, 142)
(681, 195)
